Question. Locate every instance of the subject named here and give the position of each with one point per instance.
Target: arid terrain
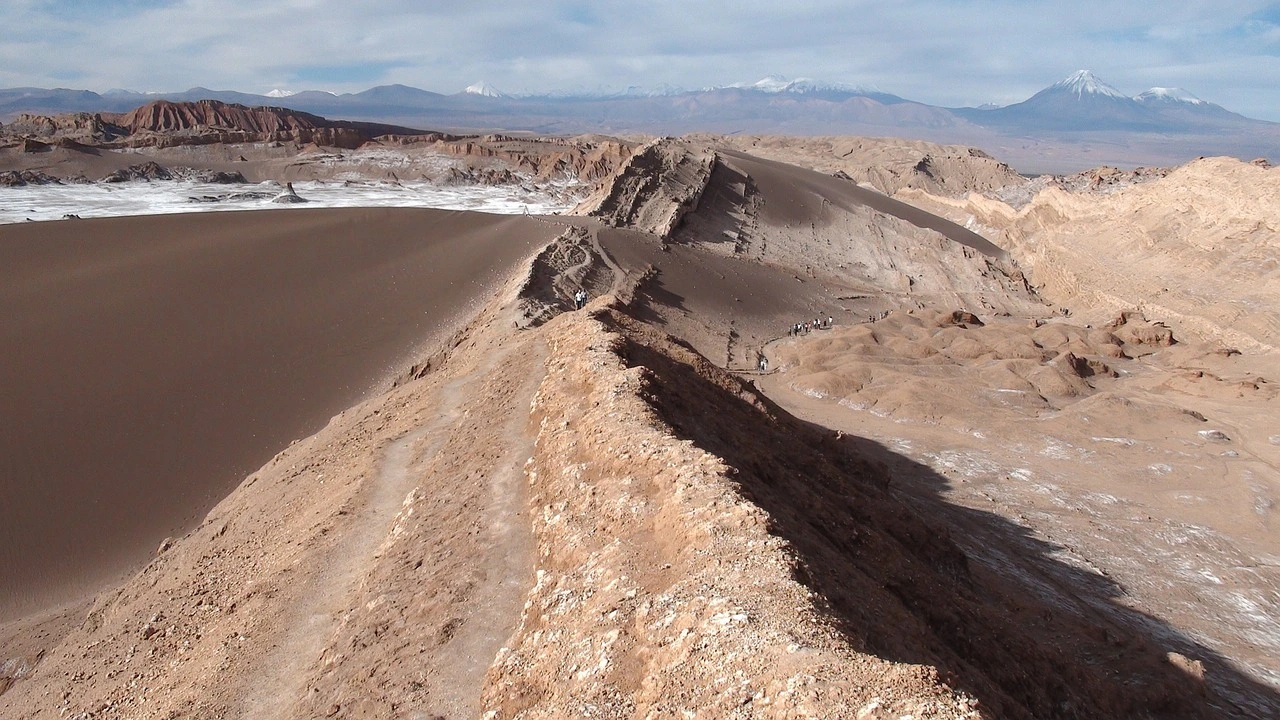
(372, 463)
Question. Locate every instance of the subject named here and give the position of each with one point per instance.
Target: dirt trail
(509, 557)
(619, 275)
(318, 617)
(317, 611)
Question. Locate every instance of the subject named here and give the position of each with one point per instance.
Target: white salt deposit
(52, 202)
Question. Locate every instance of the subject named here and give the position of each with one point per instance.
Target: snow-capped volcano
(1084, 102)
(1084, 82)
(1169, 95)
(484, 89)
(278, 93)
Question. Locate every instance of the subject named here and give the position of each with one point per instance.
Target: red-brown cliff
(164, 123)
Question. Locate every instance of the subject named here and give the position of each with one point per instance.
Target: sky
(942, 52)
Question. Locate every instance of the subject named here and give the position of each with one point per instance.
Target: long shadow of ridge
(1028, 635)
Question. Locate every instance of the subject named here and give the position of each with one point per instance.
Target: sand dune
(156, 361)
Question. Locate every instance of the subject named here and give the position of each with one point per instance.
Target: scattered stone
(1132, 327)
(219, 177)
(148, 171)
(29, 145)
(288, 196)
(232, 197)
(19, 178)
(1194, 669)
(1083, 367)
(962, 318)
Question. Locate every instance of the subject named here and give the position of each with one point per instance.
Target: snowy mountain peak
(780, 84)
(777, 83)
(278, 93)
(659, 91)
(1084, 82)
(484, 89)
(1160, 94)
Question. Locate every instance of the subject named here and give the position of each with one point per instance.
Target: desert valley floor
(372, 462)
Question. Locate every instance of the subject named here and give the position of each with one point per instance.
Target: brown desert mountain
(373, 463)
(164, 123)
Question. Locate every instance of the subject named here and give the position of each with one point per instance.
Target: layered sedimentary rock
(163, 123)
(655, 188)
(1164, 242)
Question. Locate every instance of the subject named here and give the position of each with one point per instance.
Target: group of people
(808, 326)
(882, 315)
(579, 299)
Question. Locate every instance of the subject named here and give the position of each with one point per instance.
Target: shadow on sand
(1004, 620)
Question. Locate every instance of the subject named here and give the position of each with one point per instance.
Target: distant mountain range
(1171, 122)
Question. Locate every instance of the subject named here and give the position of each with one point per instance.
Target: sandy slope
(397, 521)
(157, 360)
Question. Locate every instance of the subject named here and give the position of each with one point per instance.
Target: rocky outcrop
(655, 188)
(19, 178)
(1111, 178)
(1162, 242)
(1132, 327)
(573, 262)
(961, 318)
(145, 171)
(232, 197)
(288, 196)
(479, 176)
(586, 158)
(1099, 181)
(218, 177)
(85, 127)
